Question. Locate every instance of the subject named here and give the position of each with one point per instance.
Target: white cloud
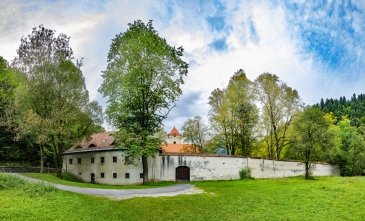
(275, 46)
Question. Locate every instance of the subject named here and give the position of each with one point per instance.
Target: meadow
(325, 198)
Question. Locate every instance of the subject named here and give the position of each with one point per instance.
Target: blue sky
(316, 47)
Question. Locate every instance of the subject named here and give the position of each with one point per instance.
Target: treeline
(353, 108)
(45, 105)
(266, 118)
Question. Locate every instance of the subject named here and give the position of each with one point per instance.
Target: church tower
(174, 137)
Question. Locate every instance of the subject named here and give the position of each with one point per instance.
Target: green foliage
(349, 153)
(9, 182)
(353, 108)
(234, 115)
(141, 82)
(245, 173)
(279, 104)
(311, 137)
(12, 148)
(69, 180)
(53, 105)
(195, 132)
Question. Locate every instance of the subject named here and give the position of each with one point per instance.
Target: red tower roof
(174, 132)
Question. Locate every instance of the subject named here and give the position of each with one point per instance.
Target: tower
(174, 137)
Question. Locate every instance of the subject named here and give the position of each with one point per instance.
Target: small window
(102, 175)
(70, 161)
(174, 142)
(92, 160)
(127, 175)
(114, 175)
(79, 160)
(114, 159)
(92, 145)
(102, 160)
(141, 175)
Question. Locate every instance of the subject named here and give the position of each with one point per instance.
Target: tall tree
(234, 114)
(195, 133)
(243, 111)
(310, 137)
(54, 96)
(279, 104)
(219, 120)
(12, 149)
(142, 81)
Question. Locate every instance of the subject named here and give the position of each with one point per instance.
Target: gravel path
(177, 189)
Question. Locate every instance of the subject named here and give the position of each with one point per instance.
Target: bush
(38, 189)
(10, 182)
(245, 173)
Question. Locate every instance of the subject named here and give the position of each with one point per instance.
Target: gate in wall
(182, 174)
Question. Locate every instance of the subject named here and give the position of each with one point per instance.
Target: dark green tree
(142, 81)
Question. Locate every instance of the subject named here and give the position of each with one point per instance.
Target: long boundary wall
(227, 168)
(163, 167)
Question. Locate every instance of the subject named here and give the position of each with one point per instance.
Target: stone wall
(227, 168)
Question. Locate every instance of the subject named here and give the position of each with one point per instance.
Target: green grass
(70, 180)
(327, 198)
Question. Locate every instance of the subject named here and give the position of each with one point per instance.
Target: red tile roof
(174, 132)
(98, 141)
(180, 148)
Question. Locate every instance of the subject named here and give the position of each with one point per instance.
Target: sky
(316, 47)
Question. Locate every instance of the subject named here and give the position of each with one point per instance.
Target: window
(127, 175)
(114, 159)
(114, 175)
(70, 161)
(102, 160)
(102, 175)
(92, 145)
(141, 175)
(79, 160)
(92, 159)
(174, 142)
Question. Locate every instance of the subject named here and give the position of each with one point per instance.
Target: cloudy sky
(316, 47)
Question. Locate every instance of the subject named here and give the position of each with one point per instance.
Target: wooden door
(182, 174)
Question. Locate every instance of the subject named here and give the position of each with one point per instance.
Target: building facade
(98, 160)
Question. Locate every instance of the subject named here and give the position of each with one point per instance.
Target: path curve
(174, 190)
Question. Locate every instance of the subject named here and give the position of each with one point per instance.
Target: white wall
(226, 168)
(83, 171)
(163, 168)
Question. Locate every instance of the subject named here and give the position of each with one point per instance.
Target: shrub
(245, 173)
(10, 182)
(38, 189)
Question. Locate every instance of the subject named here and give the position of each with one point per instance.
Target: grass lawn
(326, 198)
(72, 181)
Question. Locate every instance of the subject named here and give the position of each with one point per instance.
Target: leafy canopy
(142, 81)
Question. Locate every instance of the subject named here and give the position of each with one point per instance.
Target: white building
(99, 160)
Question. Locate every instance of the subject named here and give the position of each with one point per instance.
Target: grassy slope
(329, 198)
(72, 181)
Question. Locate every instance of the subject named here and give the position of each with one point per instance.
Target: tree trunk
(145, 169)
(306, 170)
(42, 159)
